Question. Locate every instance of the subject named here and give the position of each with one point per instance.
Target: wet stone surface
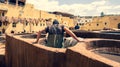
(109, 55)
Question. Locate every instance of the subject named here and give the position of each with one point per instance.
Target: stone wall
(23, 54)
(106, 45)
(91, 34)
(99, 23)
(2, 60)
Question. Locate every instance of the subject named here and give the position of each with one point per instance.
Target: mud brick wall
(78, 56)
(84, 34)
(21, 53)
(90, 34)
(75, 59)
(2, 60)
(108, 45)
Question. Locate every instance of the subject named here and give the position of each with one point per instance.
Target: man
(56, 34)
(77, 26)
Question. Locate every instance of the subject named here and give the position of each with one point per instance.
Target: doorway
(119, 26)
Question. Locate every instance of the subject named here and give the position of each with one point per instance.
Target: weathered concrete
(20, 52)
(79, 56)
(107, 47)
(2, 51)
(2, 60)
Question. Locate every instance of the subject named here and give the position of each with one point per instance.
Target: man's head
(55, 22)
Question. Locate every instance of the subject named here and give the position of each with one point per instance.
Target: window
(26, 23)
(0, 23)
(105, 23)
(0, 32)
(32, 31)
(13, 24)
(12, 2)
(21, 2)
(3, 30)
(12, 31)
(36, 24)
(24, 31)
(97, 24)
(40, 24)
(3, 14)
(119, 26)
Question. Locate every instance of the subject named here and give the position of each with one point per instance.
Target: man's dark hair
(55, 22)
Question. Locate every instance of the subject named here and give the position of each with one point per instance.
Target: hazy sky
(79, 7)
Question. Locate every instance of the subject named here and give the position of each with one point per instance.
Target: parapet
(20, 52)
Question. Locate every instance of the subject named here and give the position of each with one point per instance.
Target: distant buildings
(81, 21)
(31, 20)
(99, 23)
(27, 18)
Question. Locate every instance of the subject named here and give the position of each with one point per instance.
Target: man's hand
(80, 40)
(34, 42)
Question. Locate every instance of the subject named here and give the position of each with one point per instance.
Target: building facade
(99, 23)
(21, 17)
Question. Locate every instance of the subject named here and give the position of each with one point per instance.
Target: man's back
(55, 36)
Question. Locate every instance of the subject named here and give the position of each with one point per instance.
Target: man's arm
(72, 34)
(38, 35)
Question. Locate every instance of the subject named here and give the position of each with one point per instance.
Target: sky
(78, 7)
